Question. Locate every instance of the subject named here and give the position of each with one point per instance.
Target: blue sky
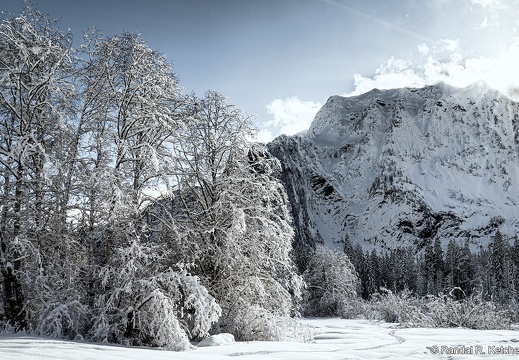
(281, 59)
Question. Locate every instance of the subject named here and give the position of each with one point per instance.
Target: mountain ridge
(404, 166)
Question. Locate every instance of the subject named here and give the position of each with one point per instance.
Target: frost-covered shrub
(400, 308)
(255, 309)
(473, 313)
(50, 291)
(356, 308)
(159, 322)
(62, 320)
(143, 304)
(256, 323)
(438, 311)
(331, 283)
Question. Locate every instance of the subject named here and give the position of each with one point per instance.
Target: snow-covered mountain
(405, 166)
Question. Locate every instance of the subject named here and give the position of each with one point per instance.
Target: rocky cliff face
(405, 166)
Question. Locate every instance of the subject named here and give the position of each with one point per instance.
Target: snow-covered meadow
(333, 339)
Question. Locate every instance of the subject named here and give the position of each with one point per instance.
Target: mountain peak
(405, 166)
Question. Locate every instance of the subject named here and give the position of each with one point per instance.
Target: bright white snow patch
(334, 339)
(217, 340)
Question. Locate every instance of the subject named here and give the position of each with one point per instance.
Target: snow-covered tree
(331, 281)
(235, 224)
(85, 139)
(145, 302)
(130, 108)
(35, 70)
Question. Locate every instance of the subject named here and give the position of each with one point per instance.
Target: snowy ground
(334, 339)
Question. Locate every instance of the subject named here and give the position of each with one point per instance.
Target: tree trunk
(13, 293)
(14, 299)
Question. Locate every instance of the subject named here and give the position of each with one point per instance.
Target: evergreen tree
(467, 271)
(403, 269)
(458, 270)
(421, 276)
(429, 271)
(498, 265)
(515, 260)
(359, 262)
(373, 276)
(452, 270)
(483, 272)
(347, 248)
(411, 270)
(438, 266)
(385, 270)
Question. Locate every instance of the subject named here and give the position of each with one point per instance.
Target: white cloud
(394, 74)
(446, 61)
(423, 49)
(494, 10)
(484, 23)
(289, 116)
(264, 136)
(486, 3)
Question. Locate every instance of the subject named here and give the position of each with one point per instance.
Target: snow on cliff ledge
(404, 166)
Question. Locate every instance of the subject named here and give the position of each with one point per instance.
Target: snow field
(333, 339)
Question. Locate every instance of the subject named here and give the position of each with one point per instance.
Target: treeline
(492, 272)
(89, 137)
